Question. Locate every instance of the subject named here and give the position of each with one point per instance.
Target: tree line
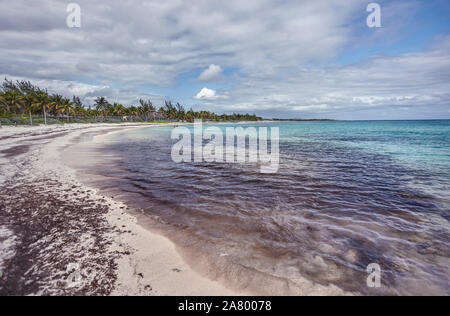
(24, 99)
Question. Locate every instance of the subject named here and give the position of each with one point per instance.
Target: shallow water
(347, 194)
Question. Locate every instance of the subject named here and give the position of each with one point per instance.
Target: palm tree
(55, 105)
(117, 109)
(101, 105)
(181, 112)
(67, 107)
(147, 108)
(42, 101)
(12, 101)
(28, 100)
(169, 110)
(3, 104)
(69, 110)
(80, 111)
(134, 112)
(77, 101)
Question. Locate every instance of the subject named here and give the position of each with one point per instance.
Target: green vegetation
(23, 103)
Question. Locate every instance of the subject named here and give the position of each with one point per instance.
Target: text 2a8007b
(247, 306)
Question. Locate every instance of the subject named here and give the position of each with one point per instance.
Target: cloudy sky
(276, 58)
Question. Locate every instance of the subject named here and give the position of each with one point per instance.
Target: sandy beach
(215, 150)
(59, 237)
(62, 234)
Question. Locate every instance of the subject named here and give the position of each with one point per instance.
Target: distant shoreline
(303, 120)
(335, 120)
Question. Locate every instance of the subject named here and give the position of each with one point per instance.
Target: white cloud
(415, 81)
(209, 95)
(269, 43)
(165, 40)
(211, 74)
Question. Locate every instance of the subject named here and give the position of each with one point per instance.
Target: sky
(276, 58)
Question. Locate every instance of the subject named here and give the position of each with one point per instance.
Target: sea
(347, 195)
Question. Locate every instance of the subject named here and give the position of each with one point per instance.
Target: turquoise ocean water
(347, 194)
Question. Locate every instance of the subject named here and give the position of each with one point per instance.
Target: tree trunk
(31, 119)
(45, 116)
